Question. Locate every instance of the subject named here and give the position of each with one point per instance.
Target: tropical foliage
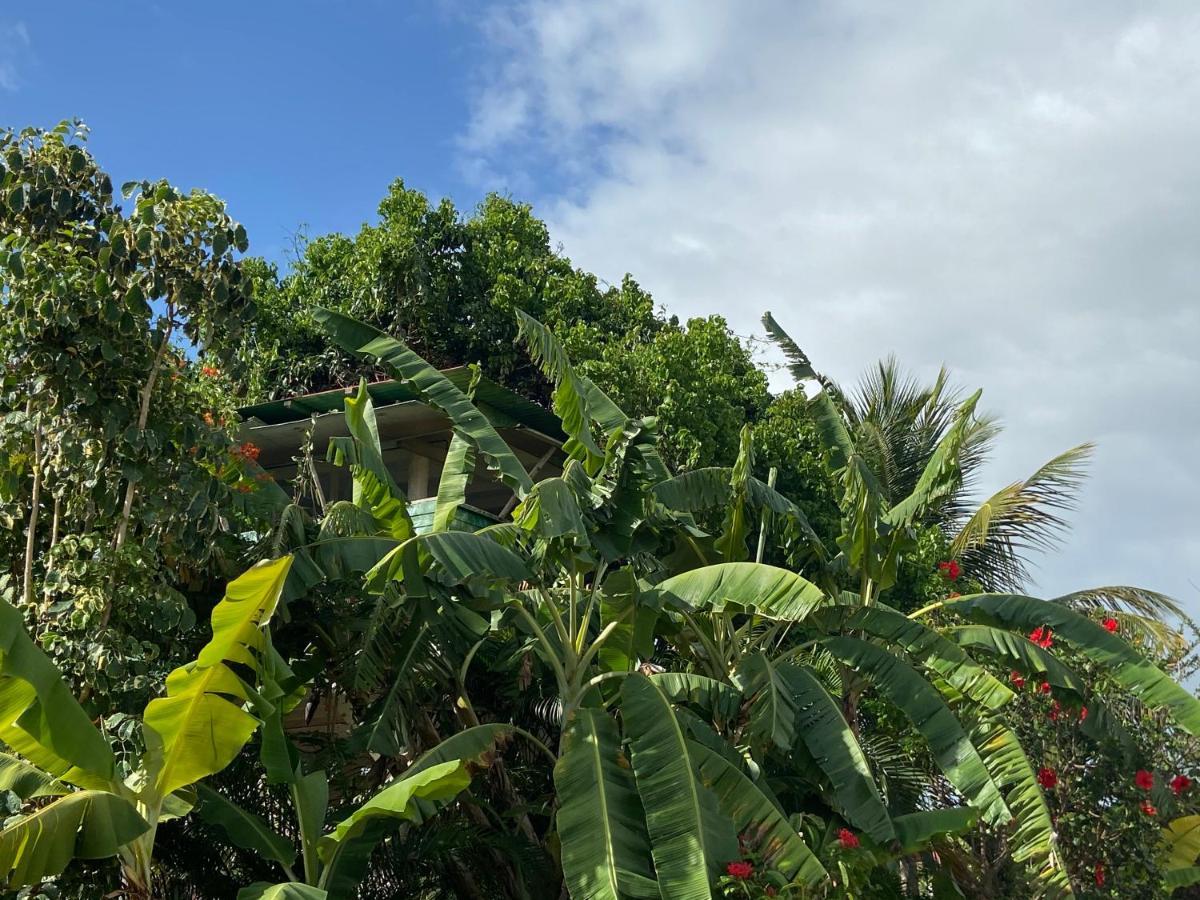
(710, 658)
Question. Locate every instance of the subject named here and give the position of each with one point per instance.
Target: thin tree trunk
(143, 418)
(31, 534)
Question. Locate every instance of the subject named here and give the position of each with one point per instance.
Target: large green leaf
(1130, 669)
(201, 724)
(731, 542)
(27, 781)
(1177, 878)
(759, 822)
(457, 470)
(440, 783)
(1025, 656)
(577, 402)
(455, 557)
(39, 718)
(84, 825)
(244, 828)
(772, 712)
(771, 591)
(1032, 840)
(834, 747)
(1182, 839)
(923, 645)
(906, 689)
(289, 890)
(434, 388)
(916, 830)
(717, 700)
(689, 836)
(601, 826)
(382, 732)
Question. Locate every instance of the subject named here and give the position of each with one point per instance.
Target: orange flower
(209, 371)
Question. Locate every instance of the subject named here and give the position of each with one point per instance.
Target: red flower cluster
(1180, 783)
(209, 371)
(740, 870)
(247, 451)
(1055, 711)
(1044, 687)
(1047, 778)
(950, 569)
(1110, 625)
(1042, 636)
(1017, 679)
(1098, 874)
(848, 839)
(1144, 779)
(1148, 808)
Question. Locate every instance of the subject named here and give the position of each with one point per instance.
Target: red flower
(1099, 874)
(848, 839)
(247, 451)
(1110, 624)
(1036, 634)
(1055, 711)
(1017, 679)
(741, 870)
(1048, 778)
(1044, 687)
(1180, 783)
(950, 569)
(209, 371)
(1082, 713)
(1148, 808)
(1144, 779)
(1043, 636)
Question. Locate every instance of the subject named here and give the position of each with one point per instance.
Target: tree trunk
(35, 505)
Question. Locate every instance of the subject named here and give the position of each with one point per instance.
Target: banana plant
(81, 802)
(1181, 844)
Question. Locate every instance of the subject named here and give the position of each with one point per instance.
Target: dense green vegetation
(744, 646)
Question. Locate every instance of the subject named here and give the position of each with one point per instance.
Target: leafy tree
(115, 471)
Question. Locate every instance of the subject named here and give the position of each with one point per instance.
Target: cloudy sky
(1007, 188)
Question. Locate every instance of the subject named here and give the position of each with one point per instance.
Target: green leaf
(457, 557)
(835, 748)
(1130, 669)
(761, 824)
(201, 729)
(923, 645)
(952, 749)
(433, 387)
(731, 543)
(716, 699)
(1177, 878)
(551, 511)
(289, 890)
(39, 718)
(244, 828)
(916, 830)
(772, 713)
(1182, 839)
(1025, 656)
(601, 826)
(689, 836)
(770, 591)
(27, 781)
(452, 485)
(83, 825)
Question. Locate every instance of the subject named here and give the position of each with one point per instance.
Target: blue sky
(1010, 189)
(296, 113)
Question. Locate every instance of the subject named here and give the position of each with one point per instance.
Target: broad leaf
(244, 828)
(835, 748)
(433, 387)
(689, 836)
(916, 830)
(601, 826)
(1182, 839)
(906, 689)
(201, 724)
(81, 825)
(452, 485)
(771, 717)
(1130, 669)
(761, 824)
(289, 890)
(770, 591)
(717, 700)
(27, 781)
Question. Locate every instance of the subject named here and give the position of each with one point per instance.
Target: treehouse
(414, 437)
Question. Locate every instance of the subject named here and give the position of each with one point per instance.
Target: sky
(1012, 190)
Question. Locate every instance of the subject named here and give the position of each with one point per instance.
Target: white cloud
(1009, 188)
(14, 41)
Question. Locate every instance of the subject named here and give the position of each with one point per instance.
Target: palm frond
(1025, 516)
